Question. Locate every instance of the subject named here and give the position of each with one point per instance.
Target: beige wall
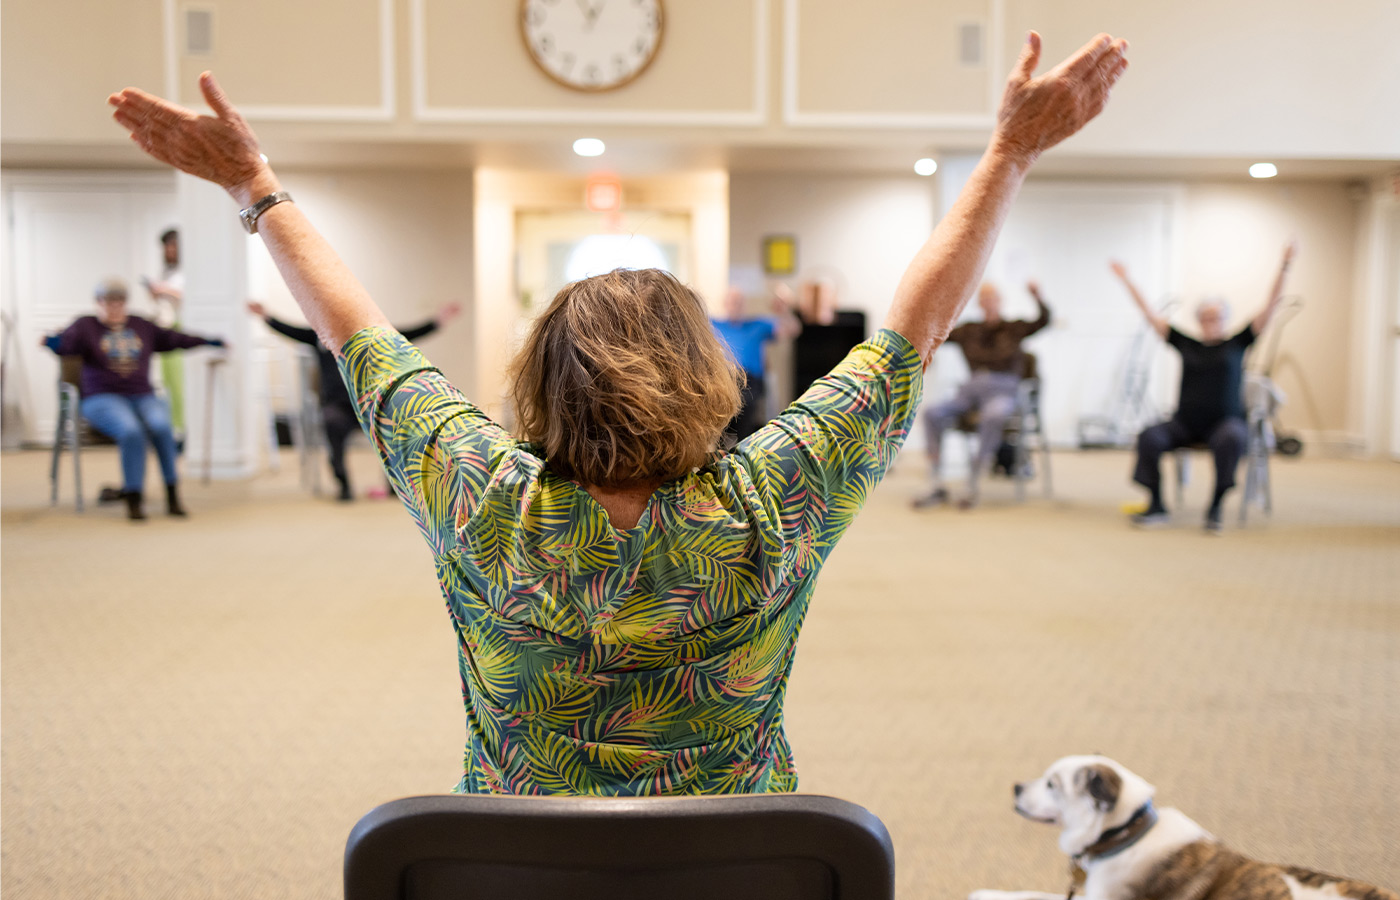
(328, 56)
(860, 231)
(1289, 78)
(59, 60)
(1281, 77)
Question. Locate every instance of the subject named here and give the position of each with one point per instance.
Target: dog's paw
(985, 894)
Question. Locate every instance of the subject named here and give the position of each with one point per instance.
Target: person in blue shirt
(747, 339)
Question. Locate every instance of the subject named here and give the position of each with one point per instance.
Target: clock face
(591, 45)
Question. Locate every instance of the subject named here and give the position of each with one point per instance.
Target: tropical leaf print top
(648, 661)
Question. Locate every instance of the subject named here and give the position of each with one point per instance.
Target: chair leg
(1045, 454)
(58, 438)
(1019, 463)
(1267, 477)
(209, 371)
(1183, 475)
(77, 461)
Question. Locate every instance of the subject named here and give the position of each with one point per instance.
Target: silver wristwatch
(250, 216)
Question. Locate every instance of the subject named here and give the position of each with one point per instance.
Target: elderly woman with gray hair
(117, 397)
(1210, 410)
(626, 594)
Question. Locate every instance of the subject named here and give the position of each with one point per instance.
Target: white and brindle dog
(1123, 848)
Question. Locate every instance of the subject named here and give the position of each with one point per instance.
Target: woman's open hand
(1038, 113)
(220, 148)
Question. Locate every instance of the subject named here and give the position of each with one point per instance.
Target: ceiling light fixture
(589, 147)
(1263, 170)
(925, 166)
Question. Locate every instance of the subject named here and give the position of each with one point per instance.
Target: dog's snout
(1016, 789)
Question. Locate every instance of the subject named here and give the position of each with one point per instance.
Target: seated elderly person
(117, 397)
(1210, 409)
(993, 351)
(627, 596)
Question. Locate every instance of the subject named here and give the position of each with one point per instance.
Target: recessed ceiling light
(1263, 170)
(925, 166)
(589, 147)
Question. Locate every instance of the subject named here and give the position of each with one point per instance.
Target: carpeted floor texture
(204, 708)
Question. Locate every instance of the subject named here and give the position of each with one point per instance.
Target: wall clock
(591, 45)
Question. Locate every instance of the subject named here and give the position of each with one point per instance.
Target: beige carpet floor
(204, 708)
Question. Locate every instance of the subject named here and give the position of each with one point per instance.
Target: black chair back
(742, 847)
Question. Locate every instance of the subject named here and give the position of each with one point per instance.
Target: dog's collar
(1116, 840)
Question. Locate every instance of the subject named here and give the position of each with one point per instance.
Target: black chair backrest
(743, 847)
(1030, 368)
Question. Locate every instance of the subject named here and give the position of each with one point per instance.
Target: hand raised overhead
(1037, 113)
(220, 148)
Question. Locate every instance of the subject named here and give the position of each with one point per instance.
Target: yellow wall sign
(780, 254)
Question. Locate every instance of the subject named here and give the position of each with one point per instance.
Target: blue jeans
(130, 421)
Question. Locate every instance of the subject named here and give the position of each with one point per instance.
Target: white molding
(384, 112)
(740, 118)
(105, 180)
(795, 117)
(172, 58)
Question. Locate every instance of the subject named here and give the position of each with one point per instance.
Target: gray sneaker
(1214, 525)
(1151, 519)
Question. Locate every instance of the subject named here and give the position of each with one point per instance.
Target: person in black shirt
(337, 409)
(1210, 410)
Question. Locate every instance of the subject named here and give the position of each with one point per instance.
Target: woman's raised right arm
(1035, 114)
(223, 149)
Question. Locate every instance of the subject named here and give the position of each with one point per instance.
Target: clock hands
(591, 12)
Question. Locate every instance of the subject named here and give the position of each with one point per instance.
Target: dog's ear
(1102, 783)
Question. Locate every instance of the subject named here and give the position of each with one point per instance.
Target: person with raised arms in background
(1210, 406)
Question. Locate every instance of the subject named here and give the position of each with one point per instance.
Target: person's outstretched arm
(1155, 319)
(444, 315)
(223, 149)
(286, 329)
(1043, 319)
(167, 339)
(1035, 114)
(1261, 321)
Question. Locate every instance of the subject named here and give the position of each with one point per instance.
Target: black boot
(133, 505)
(172, 501)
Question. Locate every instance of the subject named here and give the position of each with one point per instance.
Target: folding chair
(1262, 400)
(739, 847)
(1025, 432)
(70, 429)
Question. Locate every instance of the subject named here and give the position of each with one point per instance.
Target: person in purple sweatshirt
(117, 398)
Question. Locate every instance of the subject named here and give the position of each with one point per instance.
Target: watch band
(250, 216)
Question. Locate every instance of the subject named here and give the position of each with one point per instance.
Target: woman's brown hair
(622, 379)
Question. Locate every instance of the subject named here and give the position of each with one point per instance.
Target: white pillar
(214, 259)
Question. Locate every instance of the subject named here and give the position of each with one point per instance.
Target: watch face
(591, 45)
